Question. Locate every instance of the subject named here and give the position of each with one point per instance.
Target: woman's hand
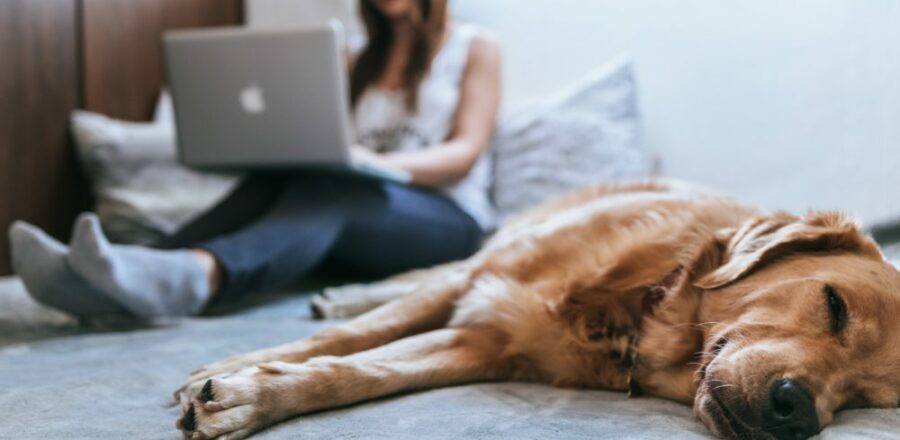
(364, 156)
(360, 155)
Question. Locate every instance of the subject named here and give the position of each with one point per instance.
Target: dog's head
(804, 320)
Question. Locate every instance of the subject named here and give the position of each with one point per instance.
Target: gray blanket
(58, 380)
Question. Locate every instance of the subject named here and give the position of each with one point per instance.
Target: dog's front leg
(429, 308)
(234, 406)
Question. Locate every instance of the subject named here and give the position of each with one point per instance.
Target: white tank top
(383, 123)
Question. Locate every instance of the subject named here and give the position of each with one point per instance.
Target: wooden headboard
(123, 68)
(99, 55)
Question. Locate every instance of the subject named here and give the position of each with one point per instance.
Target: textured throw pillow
(582, 136)
(142, 193)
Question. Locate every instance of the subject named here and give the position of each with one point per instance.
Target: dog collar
(653, 296)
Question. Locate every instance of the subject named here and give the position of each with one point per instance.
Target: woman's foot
(41, 263)
(148, 282)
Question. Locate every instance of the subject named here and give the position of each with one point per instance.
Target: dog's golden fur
(657, 287)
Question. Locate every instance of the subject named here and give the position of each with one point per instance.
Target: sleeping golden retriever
(766, 323)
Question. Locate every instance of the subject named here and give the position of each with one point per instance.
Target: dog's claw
(316, 311)
(206, 394)
(189, 422)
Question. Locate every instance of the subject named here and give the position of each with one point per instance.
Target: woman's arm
(473, 127)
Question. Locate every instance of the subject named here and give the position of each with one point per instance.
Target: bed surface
(61, 381)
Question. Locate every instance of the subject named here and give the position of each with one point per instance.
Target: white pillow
(581, 136)
(142, 193)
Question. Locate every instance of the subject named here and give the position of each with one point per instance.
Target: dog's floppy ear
(763, 239)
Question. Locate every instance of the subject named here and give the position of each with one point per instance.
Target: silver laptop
(263, 99)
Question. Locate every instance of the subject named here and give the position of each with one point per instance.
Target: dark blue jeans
(273, 230)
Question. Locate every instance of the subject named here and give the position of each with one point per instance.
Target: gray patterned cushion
(585, 135)
(142, 193)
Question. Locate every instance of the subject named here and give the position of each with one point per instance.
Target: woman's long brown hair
(429, 25)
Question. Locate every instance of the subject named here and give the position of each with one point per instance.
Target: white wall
(301, 13)
(788, 104)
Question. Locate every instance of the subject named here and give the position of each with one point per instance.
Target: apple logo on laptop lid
(253, 100)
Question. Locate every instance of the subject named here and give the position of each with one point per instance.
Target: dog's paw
(340, 302)
(233, 406)
(191, 388)
(190, 391)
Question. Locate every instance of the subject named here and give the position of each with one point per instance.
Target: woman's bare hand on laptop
(361, 155)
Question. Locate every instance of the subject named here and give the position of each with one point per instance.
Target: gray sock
(148, 282)
(41, 263)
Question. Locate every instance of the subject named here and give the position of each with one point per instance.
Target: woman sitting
(425, 94)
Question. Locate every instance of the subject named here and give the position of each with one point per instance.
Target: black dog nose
(791, 412)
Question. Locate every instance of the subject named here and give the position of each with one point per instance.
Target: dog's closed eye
(719, 345)
(837, 309)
